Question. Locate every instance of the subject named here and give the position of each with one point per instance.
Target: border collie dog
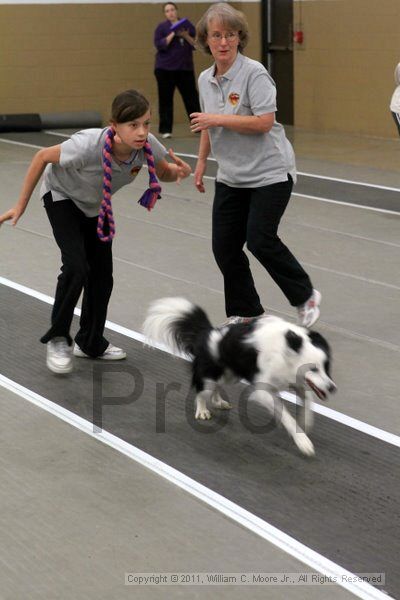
(269, 353)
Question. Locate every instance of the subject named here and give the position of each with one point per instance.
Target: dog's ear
(293, 340)
(319, 341)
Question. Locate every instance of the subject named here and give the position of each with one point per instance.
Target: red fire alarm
(298, 36)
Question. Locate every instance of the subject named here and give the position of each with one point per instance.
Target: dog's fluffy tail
(177, 323)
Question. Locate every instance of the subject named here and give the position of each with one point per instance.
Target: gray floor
(76, 516)
(352, 255)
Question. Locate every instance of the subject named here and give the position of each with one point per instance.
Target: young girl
(79, 175)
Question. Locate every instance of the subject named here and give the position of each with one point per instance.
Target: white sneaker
(110, 353)
(309, 312)
(59, 356)
(165, 136)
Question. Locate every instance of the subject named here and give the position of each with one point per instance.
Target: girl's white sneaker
(59, 356)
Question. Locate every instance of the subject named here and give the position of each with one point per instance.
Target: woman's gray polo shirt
(79, 174)
(246, 160)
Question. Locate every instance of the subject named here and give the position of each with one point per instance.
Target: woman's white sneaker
(59, 356)
(309, 311)
(234, 320)
(110, 353)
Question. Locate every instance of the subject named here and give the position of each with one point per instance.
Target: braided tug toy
(148, 199)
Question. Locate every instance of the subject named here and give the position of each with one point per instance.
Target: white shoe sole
(80, 354)
(59, 370)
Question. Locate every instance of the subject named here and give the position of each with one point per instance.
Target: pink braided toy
(148, 199)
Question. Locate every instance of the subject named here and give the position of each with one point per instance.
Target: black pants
(396, 117)
(252, 216)
(87, 265)
(167, 81)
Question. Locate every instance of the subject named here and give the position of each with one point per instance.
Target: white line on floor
(391, 286)
(235, 512)
(57, 133)
(348, 204)
(162, 274)
(380, 434)
(353, 182)
(5, 141)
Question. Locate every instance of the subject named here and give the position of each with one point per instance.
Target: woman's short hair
(232, 19)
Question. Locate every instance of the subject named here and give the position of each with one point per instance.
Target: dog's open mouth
(317, 391)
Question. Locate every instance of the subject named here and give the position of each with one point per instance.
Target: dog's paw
(304, 444)
(219, 402)
(203, 414)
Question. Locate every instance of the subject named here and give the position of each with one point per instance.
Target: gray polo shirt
(246, 160)
(79, 174)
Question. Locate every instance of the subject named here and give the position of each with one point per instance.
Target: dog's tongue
(321, 395)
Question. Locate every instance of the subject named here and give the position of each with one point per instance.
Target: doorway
(277, 53)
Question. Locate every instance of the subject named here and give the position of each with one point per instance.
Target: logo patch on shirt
(233, 98)
(135, 171)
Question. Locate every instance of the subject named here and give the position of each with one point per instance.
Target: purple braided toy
(148, 199)
(106, 208)
(152, 194)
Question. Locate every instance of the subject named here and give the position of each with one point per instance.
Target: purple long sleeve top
(176, 56)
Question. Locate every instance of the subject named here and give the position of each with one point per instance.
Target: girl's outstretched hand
(183, 169)
(12, 214)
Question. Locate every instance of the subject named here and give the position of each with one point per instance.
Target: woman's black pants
(252, 216)
(167, 81)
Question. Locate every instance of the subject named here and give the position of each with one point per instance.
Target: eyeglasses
(229, 36)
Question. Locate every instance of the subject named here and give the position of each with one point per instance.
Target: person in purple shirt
(174, 67)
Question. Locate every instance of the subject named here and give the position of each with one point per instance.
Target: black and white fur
(270, 353)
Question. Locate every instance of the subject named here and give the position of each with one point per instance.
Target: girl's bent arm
(175, 171)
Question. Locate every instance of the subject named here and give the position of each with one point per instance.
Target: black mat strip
(344, 503)
(362, 195)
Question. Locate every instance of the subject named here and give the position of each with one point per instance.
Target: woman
(256, 169)
(174, 67)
